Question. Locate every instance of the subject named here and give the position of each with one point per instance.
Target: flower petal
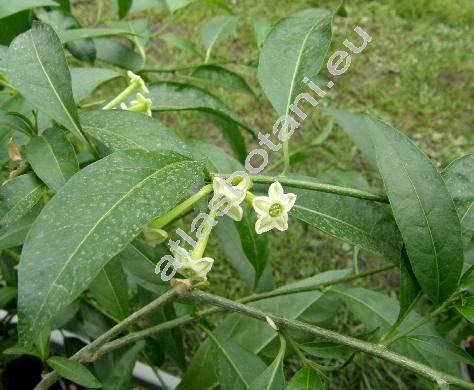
(235, 212)
(275, 191)
(281, 222)
(288, 201)
(261, 204)
(264, 224)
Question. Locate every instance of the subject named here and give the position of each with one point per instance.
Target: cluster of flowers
(272, 213)
(141, 103)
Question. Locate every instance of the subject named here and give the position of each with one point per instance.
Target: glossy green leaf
(37, 68)
(423, 209)
(261, 28)
(18, 196)
(119, 130)
(123, 7)
(61, 20)
(438, 346)
(7, 294)
(221, 77)
(356, 129)
(86, 80)
(15, 233)
(73, 371)
(409, 286)
(168, 96)
(466, 308)
(52, 157)
(89, 221)
(360, 222)
(272, 378)
(459, 179)
(216, 30)
(305, 379)
(110, 290)
(295, 48)
(236, 367)
(8, 7)
(120, 377)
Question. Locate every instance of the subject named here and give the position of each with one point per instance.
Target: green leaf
(89, 221)
(123, 7)
(168, 96)
(423, 209)
(272, 378)
(252, 334)
(116, 53)
(460, 182)
(15, 233)
(216, 159)
(305, 379)
(110, 290)
(18, 196)
(231, 133)
(261, 28)
(11, 26)
(86, 80)
(140, 27)
(8, 8)
(37, 68)
(255, 246)
(7, 294)
(409, 287)
(222, 77)
(216, 30)
(357, 221)
(74, 371)
(466, 308)
(120, 130)
(437, 346)
(176, 5)
(236, 367)
(99, 32)
(180, 43)
(52, 157)
(356, 129)
(42, 342)
(295, 48)
(120, 377)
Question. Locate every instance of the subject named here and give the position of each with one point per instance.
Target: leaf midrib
(119, 201)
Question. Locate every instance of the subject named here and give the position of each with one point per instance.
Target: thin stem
(378, 350)
(402, 318)
(286, 153)
(15, 256)
(88, 353)
(427, 317)
(100, 5)
(204, 313)
(122, 95)
(198, 251)
(355, 259)
(181, 208)
(312, 185)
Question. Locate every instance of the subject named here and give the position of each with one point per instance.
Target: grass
(417, 74)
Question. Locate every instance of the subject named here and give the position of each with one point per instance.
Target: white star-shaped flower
(273, 209)
(137, 80)
(235, 195)
(191, 268)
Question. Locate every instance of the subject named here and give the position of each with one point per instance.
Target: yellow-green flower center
(275, 210)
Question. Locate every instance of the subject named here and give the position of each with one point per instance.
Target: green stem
(427, 317)
(286, 153)
(122, 95)
(312, 185)
(377, 350)
(198, 251)
(402, 318)
(15, 256)
(251, 298)
(180, 209)
(355, 259)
